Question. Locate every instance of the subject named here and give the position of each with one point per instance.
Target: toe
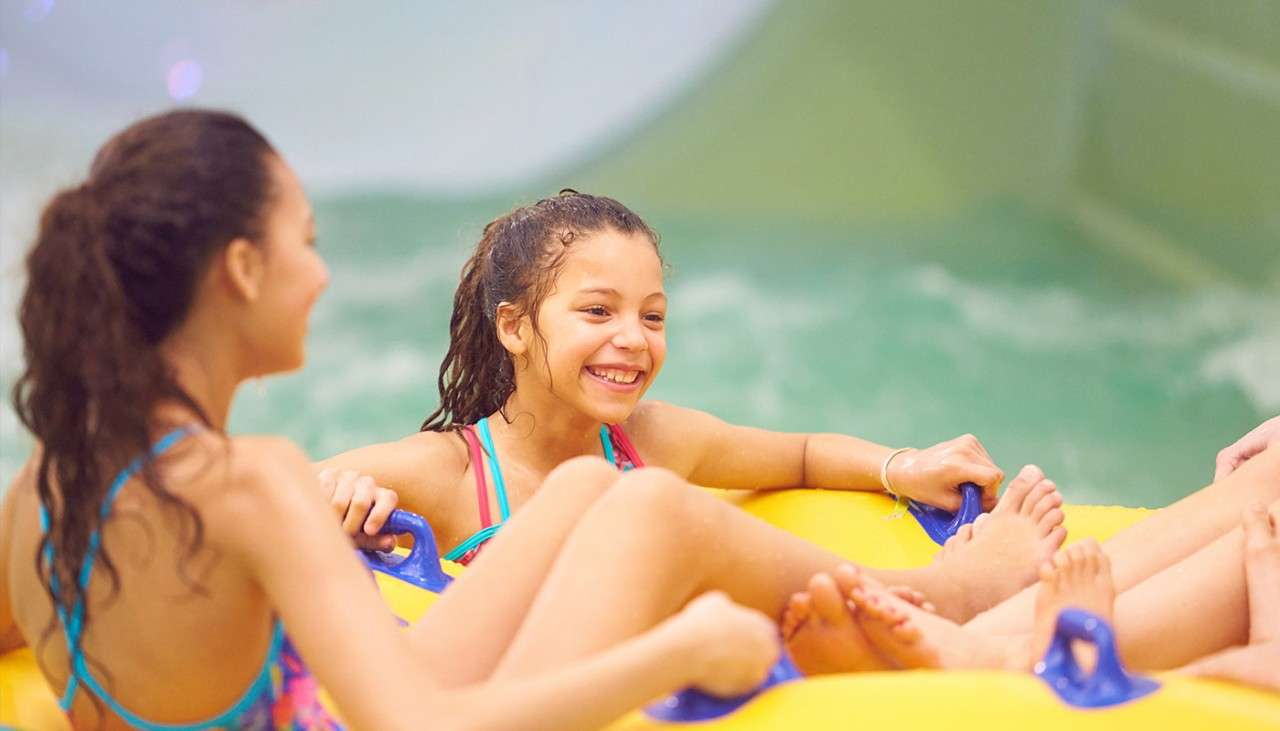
(867, 604)
(848, 578)
(1046, 503)
(906, 632)
(1043, 490)
(1017, 492)
(1050, 520)
(828, 602)
(1061, 560)
(1104, 565)
(1055, 538)
(799, 607)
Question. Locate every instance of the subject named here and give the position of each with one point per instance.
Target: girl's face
(602, 325)
(294, 275)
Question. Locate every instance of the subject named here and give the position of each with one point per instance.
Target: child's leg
(1259, 662)
(651, 544)
(1196, 607)
(465, 633)
(1164, 539)
(1262, 571)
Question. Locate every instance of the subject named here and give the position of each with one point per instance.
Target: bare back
(198, 626)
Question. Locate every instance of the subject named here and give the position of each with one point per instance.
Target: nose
(630, 335)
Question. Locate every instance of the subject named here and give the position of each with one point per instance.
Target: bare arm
(10, 638)
(354, 647)
(712, 452)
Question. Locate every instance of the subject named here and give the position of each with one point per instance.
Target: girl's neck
(544, 432)
(208, 370)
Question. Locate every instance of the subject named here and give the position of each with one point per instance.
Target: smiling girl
(557, 331)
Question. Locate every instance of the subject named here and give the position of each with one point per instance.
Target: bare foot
(962, 537)
(1005, 550)
(1262, 572)
(1078, 577)
(820, 633)
(913, 638)
(1257, 665)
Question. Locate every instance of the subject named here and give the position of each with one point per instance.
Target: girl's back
(194, 624)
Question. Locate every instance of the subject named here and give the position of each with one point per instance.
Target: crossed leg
(1150, 619)
(1165, 539)
(611, 556)
(650, 545)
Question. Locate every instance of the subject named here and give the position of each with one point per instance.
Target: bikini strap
(606, 444)
(499, 485)
(73, 624)
(476, 456)
(619, 437)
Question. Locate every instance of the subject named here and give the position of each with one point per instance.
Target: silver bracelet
(884, 470)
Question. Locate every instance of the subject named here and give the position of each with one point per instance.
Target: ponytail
(111, 274)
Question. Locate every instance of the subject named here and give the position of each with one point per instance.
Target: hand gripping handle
(940, 524)
(422, 566)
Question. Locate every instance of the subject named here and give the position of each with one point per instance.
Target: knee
(651, 491)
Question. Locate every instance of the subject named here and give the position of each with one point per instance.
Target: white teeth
(614, 375)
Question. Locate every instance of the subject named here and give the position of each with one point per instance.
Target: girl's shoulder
(210, 467)
(669, 436)
(665, 421)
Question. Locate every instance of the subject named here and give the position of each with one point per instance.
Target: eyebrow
(610, 291)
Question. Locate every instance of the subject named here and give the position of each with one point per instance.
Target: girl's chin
(614, 413)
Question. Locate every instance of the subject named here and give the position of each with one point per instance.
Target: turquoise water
(1003, 322)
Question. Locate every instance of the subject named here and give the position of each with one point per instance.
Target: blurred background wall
(1053, 224)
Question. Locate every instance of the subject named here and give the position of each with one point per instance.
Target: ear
(514, 328)
(243, 267)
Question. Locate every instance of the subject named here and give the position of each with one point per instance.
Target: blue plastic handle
(422, 566)
(1109, 685)
(941, 525)
(692, 705)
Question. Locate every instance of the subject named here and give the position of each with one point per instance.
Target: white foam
(1235, 328)
(1253, 364)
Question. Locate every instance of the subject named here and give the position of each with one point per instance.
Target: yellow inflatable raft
(867, 529)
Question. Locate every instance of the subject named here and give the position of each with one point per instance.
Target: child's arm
(350, 641)
(10, 638)
(709, 451)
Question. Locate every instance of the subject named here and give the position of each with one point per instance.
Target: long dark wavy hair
(516, 261)
(112, 273)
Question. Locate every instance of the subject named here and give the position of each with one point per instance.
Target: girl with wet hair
(557, 331)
